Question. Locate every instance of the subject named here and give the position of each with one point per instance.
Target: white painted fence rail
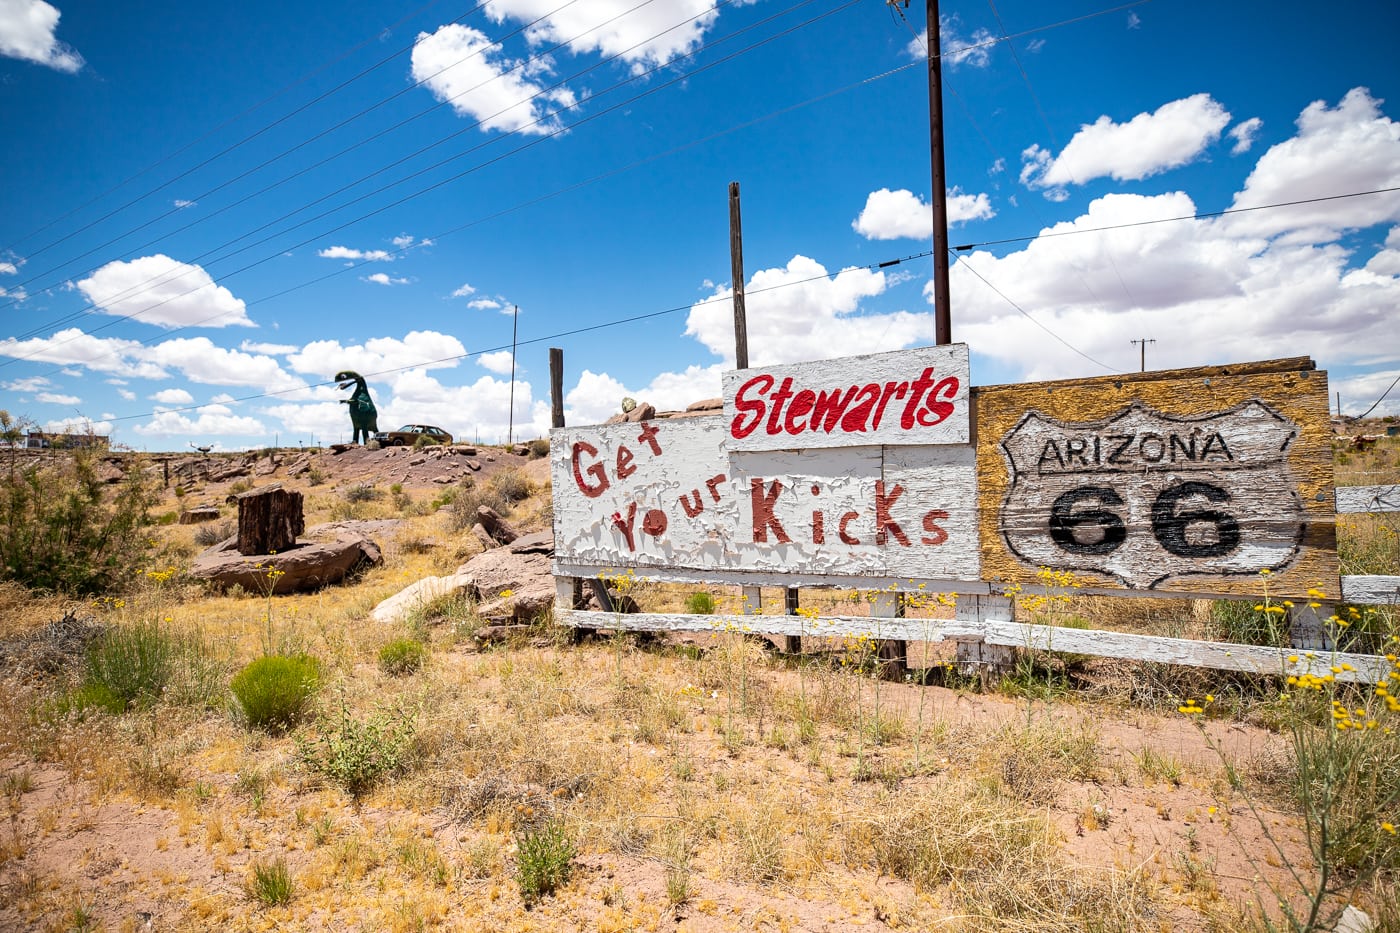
(983, 616)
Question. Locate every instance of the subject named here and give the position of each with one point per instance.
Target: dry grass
(717, 787)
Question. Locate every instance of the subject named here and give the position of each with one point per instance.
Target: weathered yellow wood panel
(1189, 480)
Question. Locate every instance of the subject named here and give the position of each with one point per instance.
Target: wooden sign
(907, 397)
(671, 494)
(1189, 480)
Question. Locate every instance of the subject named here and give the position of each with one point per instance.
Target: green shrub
(315, 476)
(539, 448)
(61, 530)
(274, 691)
(87, 697)
(402, 656)
(271, 883)
(544, 860)
(700, 604)
(358, 754)
(361, 492)
(135, 664)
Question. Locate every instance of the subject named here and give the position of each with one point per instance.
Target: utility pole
(736, 266)
(510, 421)
(942, 317)
(1143, 345)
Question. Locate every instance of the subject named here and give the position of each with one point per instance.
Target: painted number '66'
(1075, 515)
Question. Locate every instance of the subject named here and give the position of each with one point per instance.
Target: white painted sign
(906, 397)
(1145, 497)
(670, 493)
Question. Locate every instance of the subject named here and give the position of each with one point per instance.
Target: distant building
(41, 439)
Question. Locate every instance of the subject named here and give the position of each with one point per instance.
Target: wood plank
(1354, 499)
(1182, 651)
(1188, 481)
(839, 581)
(1371, 590)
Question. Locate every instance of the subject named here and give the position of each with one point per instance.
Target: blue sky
(209, 210)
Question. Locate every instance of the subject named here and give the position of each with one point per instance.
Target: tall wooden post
(942, 315)
(736, 268)
(556, 397)
(792, 644)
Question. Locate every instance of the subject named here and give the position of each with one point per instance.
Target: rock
(643, 412)
(327, 554)
(474, 465)
(444, 479)
(511, 584)
(497, 527)
(1355, 920)
(464, 451)
(708, 404)
(481, 534)
(202, 513)
(414, 597)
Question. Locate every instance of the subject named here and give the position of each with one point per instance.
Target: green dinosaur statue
(364, 417)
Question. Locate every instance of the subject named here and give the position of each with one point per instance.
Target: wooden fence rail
(984, 628)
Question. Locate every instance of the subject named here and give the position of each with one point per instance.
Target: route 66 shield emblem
(1144, 497)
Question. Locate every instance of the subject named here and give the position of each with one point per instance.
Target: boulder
(502, 531)
(200, 513)
(417, 595)
(511, 584)
(327, 554)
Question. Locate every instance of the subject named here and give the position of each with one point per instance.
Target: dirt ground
(156, 819)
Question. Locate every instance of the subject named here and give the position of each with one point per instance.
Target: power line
(286, 152)
(140, 288)
(229, 121)
(351, 267)
(573, 332)
(1047, 234)
(1026, 314)
(233, 119)
(1379, 400)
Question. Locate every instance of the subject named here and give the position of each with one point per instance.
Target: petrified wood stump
(269, 519)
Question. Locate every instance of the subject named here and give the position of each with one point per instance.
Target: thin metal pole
(514, 327)
(942, 316)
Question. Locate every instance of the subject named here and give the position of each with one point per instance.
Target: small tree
(60, 531)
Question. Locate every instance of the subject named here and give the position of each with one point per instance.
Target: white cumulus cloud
(159, 290)
(801, 312)
(1244, 133)
(27, 30)
(1349, 148)
(890, 215)
(461, 66)
(208, 420)
(652, 34)
(53, 398)
(1148, 144)
(383, 278)
(173, 397)
(349, 253)
(498, 362)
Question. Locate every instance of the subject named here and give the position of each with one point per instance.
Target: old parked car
(412, 434)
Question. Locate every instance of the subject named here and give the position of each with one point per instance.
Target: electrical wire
(1047, 234)
(588, 328)
(229, 121)
(538, 140)
(1379, 400)
(1024, 313)
(140, 288)
(300, 145)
